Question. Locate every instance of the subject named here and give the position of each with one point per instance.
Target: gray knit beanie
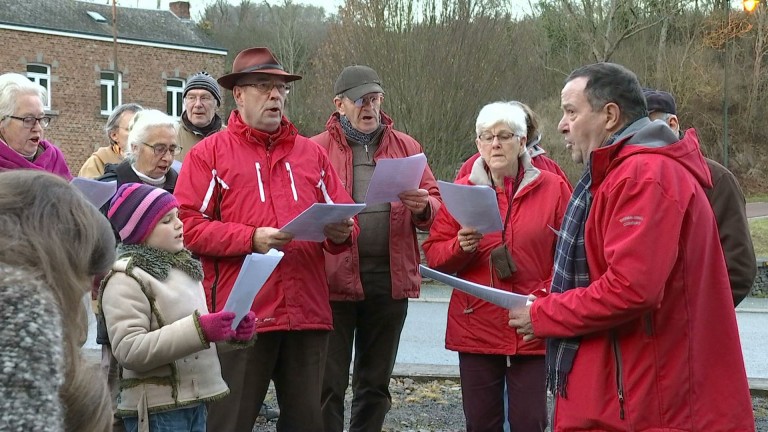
(202, 80)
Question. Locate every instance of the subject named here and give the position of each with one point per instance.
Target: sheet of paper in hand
(310, 223)
(505, 299)
(253, 274)
(96, 192)
(393, 176)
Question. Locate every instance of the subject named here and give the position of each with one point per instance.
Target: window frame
(110, 85)
(174, 94)
(36, 77)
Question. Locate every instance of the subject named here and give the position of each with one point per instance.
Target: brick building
(67, 46)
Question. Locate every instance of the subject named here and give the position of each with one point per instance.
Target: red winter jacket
(233, 183)
(474, 325)
(344, 269)
(659, 344)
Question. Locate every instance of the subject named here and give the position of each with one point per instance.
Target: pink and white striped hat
(136, 208)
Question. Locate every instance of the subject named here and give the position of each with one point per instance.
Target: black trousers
(374, 326)
(294, 361)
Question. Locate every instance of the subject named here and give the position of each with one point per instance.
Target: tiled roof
(145, 25)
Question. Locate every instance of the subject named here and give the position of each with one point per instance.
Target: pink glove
(217, 326)
(244, 330)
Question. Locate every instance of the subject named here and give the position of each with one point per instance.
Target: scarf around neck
(356, 135)
(48, 158)
(159, 263)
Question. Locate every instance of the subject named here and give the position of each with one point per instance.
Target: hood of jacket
(651, 137)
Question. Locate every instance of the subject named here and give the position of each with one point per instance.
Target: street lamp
(750, 5)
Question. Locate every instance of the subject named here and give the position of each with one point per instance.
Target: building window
(41, 74)
(111, 96)
(173, 92)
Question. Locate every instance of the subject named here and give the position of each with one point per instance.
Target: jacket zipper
(619, 374)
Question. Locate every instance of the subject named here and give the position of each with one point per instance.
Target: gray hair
(510, 114)
(142, 122)
(612, 83)
(13, 85)
(113, 122)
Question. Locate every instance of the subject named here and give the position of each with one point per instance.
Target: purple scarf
(50, 159)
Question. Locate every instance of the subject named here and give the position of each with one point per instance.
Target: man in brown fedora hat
(370, 284)
(235, 191)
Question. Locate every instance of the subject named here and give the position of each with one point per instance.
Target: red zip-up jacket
(240, 179)
(344, 269)
(659, 343)
(477, 326)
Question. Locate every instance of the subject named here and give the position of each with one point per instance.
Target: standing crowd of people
(632, 274)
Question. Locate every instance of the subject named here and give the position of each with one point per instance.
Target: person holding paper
(517, 259)
(371, 282)
(22, 127)
(640, 326)
(539, 158)
(237, 188)
(158, 324)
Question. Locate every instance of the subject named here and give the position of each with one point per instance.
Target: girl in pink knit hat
(157, 319)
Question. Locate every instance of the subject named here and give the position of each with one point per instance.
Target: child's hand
(244, 330)
(217, 326)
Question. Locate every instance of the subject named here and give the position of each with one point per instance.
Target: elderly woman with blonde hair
(54, 241)
(22, 125)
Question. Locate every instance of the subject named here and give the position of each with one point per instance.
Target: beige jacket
(94, 165)
(187, 139)
(156, 338)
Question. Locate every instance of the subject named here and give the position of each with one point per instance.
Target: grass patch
(757, 198)
(759, 230)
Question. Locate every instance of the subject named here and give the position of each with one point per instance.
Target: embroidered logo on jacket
(631, 220)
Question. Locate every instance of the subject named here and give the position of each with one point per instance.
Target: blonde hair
(48, 228)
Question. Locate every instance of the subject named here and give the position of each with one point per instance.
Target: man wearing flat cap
(371, 282)
(236, 190)
(202, 97)
(727, 200)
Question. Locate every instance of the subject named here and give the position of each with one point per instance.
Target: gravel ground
(435, 406)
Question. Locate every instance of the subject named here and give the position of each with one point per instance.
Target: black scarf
(158, 263)
(213, 127)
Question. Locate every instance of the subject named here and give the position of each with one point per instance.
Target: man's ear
(613, 116)
(339, 105)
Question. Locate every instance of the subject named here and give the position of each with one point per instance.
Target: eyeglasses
(162, 149)
(365, 100)
(503, 137)
(204, 99)
(266, 87)
(29, 121)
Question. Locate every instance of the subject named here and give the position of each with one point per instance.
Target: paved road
(757, 209)
(423, 337)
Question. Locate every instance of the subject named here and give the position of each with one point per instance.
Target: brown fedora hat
(255, 60)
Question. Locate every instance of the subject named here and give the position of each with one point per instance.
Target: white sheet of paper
(472, 206)
(392, 176)
(254, 272)
(309, 224)
(505, 299)
(96, 192)
(176, 165)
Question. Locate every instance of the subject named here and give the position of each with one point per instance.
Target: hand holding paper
(266, 238)
(339, 232)
(255, 271)
(393, 176)
(311, 223)
(472, 206)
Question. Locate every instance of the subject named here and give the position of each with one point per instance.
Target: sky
(197, 6)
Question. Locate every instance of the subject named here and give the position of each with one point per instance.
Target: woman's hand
(469, 239)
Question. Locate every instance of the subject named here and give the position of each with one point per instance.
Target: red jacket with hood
(659, 343)
(240, 179)
(344, 269)
(477, 326)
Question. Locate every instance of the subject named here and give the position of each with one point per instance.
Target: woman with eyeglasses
(518, 259)
(22, 123)
(117, 133)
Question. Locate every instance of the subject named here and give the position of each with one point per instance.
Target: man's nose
(561, 126)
